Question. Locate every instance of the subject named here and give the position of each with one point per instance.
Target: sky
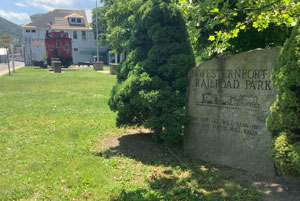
(19, 11)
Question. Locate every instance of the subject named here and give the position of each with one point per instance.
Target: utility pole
(97, 59)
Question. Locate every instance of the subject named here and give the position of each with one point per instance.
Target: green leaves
(211, 38)
(214, 10)
(242, 27)
(116, 21)
(235, 33)
(205, 18)
(255, 24)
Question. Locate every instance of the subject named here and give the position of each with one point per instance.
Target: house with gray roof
(73, 22)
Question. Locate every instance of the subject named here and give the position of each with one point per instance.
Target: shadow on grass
(138, 146)
(178, 178)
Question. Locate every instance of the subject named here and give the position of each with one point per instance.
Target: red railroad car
(59, 45)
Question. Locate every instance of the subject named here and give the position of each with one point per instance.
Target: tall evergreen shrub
(284, 119)
(152, 80)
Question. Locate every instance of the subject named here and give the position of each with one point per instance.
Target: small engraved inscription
(249, 129)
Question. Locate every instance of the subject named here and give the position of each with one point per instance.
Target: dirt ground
(140, 145)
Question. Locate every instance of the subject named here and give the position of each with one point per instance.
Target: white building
(74, 22)
(3, 55)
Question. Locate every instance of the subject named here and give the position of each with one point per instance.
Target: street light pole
(97, 59)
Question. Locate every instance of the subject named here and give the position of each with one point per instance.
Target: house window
(27, 30)
(58, 44)
(83, 34)
(73, 20)
(33, 31)
(66, 47)
(79, 20)
(75, 34)
(51, 47)
(75, 49)
(62, 31)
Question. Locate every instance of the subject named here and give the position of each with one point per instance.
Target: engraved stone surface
(228, 101)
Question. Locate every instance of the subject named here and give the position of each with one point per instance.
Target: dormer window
(76, 20)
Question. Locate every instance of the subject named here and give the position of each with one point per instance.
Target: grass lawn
(52, 147)
(106, 67)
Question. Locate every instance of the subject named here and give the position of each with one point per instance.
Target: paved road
(17, 63)
(4, 69)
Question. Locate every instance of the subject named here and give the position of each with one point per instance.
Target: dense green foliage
(10, 28)
(152, 80)
(284, 119)
(286, 155)
(102, 25)
(115, 21)
(218, 27)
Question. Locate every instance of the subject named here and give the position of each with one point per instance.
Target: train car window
(66, 47)
(58, 44)
(75, 34)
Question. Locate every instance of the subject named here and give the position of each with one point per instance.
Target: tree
(102, 24)
(114, 23)
(152, 81)
(219, 26)
(284, 119)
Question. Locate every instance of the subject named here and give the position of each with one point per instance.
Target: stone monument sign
(228, 102)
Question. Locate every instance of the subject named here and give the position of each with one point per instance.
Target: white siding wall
(34, 45)
(86, 47)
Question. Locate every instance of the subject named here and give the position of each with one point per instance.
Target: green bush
(284, 119)
(286, 156)
(152, 80)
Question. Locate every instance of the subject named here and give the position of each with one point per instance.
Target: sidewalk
(5, 71)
